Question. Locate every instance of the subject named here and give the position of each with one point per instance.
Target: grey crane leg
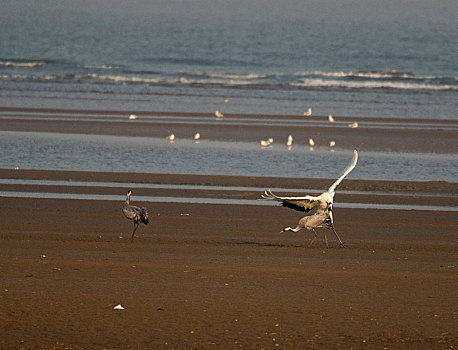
(325, 241)
(133, 233)
(341, 244)
(313, 239)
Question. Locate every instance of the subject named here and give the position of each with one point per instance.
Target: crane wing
(144, 215)
(346, 172)
(305, 203)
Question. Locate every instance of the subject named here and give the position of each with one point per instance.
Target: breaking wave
(338, 80)
(390, 74)
(323, 83)
(21, 63)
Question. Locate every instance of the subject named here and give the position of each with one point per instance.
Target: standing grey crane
(136, 214)
(322, 203)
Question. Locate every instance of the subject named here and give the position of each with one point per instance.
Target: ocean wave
(21, 63)
(222, 79)
(371, 85)
(390, 74)
(101, 66)
(249, 80)
(117, 78)
(232, 76)
(235, 80)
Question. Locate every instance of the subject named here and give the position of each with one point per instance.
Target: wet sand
(222, 276)
(438, 136)
(203, 276)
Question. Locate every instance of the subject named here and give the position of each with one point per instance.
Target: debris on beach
(331, 119)
(118, 307)
(353, 125)
(132, 117)
(308, 113)
(218, 114)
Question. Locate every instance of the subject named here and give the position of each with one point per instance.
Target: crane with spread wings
(322, 203)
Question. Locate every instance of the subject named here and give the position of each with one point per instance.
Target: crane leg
(341, 244)
(133, 232)
(313, 239)
(325, 241)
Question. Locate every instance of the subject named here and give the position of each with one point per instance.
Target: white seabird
(289, 142)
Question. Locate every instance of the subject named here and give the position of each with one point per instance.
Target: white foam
(370, 75)
(371, 84)
(165, 80)
(30, 64)
(103, 66)
(249, 76)
(122, 78)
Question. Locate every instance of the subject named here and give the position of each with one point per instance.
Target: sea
(371, 58)
(368, 58)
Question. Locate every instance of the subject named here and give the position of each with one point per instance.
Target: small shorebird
(171, 137)
(267, 143)
(308, 113)
(353, 125)
(136, 214)
(322, 203)
(311, 142)
(218, 114)
(196, 136)
(289, 142)
(332, 143)
(331, 119)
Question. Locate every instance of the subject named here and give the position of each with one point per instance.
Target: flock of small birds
(311, 142)
(269, 142)
(289, 143)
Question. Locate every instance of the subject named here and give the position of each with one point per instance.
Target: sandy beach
(215, 276)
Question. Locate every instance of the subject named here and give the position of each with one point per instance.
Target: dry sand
(203, 276)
